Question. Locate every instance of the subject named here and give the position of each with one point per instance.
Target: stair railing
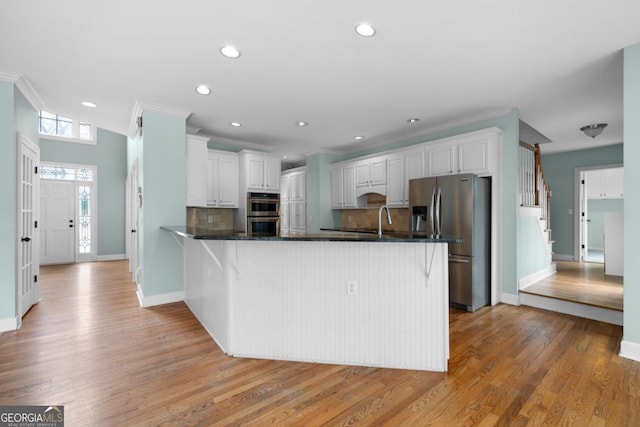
(534, 190)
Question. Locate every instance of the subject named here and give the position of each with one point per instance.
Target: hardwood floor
(581, 282)
(89, 347)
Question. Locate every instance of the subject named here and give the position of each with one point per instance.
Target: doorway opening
(68, 210)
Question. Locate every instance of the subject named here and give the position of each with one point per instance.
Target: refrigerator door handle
(461, 261)
(431, 208)
(438, 219)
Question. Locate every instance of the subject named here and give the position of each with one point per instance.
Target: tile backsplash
(368, 218)
(211, 219)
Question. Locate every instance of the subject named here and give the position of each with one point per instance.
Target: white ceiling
(559, 62)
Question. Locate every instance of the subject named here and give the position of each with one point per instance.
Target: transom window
(55, 126)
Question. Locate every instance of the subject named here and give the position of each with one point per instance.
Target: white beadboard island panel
(206, 286)
(288, 300)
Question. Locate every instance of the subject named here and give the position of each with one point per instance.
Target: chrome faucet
(380, 218)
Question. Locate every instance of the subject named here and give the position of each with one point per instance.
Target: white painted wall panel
(289, 301)
(206, 291)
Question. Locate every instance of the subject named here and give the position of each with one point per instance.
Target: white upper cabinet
(468, 153)
(605, 183)
(343, 186)
(401, 167)
(196, 171)
(222, 179)
(261, 172)
(389, 173)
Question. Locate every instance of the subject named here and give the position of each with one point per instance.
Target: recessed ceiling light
(365, 30)
(284, 157)
(359, 137)
(203, 90)
(235, 124)
(413, 120)
(301, 123)
(230, 52)
(89, 104)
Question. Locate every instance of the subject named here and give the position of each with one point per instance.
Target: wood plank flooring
(89, 347)
(581, 282)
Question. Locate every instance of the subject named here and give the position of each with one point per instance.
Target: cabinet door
(196, 171)
(414, 167)
(284, 189)
(228, 181)
(362, 174)
(595, 186)
(473, 156)
(301, 216)
(349, 188)
(442, 159)
(395, 180)
(212, 180)
(337, 187)
(271, 174)
(285, 225)
(300, 184)
(613, 180)
(255, 173)
(378, 171)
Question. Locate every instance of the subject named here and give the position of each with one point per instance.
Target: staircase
(535, 193)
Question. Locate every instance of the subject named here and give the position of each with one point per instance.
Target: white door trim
(577, 235)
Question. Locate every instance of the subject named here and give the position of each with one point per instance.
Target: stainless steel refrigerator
(458, 206)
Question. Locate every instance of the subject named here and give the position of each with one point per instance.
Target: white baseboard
(575, 309)
(152, 300)
(510, 299)
(529, 280)
(562, 257)
(630, 350)
(114, 257)
(8, 324)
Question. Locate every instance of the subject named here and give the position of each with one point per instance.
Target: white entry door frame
(85, 199)
(28, 264)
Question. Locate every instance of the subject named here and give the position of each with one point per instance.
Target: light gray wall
(110, 156)
(631, 332)
(559, 170)
(16, 115)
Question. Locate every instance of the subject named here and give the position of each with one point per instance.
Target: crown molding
(22, 83)
(142, 106)
(192, 130)
(7, 76)
(474, 118)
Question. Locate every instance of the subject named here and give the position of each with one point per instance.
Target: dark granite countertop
(340, 235)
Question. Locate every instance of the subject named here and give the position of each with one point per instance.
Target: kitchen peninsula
(344, 298)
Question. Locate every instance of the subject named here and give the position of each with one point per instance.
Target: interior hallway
(89, 346)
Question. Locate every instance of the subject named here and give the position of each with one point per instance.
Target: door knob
(26, 239)
(133, 231)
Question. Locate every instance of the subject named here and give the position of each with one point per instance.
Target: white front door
(57, 225)
(28, 214)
